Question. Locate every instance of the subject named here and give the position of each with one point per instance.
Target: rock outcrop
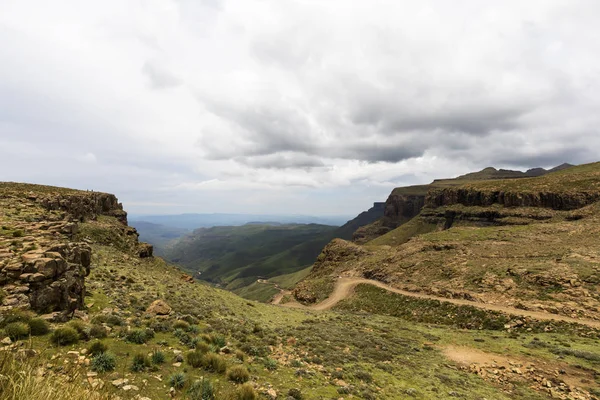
(48, 280)
(159, 307)
(43, 260)
(84, 205)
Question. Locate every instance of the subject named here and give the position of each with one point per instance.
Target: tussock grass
(19, 381)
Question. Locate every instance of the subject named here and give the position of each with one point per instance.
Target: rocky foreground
(42, 266)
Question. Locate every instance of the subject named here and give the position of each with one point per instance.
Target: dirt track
(344, 288)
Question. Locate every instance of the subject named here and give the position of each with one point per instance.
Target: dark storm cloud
(194, 98)
(263, 130)
(282, 161)
(478, 119)
(547, 158)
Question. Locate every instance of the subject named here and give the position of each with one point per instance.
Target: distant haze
(193, 221)
(291, 107)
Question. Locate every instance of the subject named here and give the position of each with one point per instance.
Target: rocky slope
(533, 247)
(148, 331)
(43, 262)
(404, 203)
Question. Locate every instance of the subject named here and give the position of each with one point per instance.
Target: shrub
(114, 320)
(295, 394)
(98, 332)
(219, 341)
(240, 355)
(138, 336)
(140, 363)
(246, 392)
(149, 334)
(64, 336)
(270, 364)
(177, 380)
(363, 376)
(38, 326)
(96, 348)
(202, 347)
(201, 390)
(83, 330)
(238, 374)
(158, 357)
(194, 358)
(103, 362)
(17, 330)
(14, 316)
(184, 326)
(214, 363)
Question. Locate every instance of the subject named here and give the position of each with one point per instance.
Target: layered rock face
(41, 267)
(48, 280)
(473, 197)
(84, 205)
(397, 209)
(400, 208)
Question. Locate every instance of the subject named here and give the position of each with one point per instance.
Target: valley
(489, 291)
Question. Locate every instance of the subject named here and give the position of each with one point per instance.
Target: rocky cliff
(43, 261)
(485, 198)
(404, 203)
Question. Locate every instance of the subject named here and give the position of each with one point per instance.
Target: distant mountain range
(194, 221)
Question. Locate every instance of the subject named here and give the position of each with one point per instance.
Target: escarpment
(44, 254)
(482, 198)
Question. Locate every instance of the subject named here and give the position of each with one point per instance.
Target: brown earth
(344, 288)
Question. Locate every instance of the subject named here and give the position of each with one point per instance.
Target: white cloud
(330, 103)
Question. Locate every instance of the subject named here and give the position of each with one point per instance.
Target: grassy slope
(538, 258)
(579, 178)
(226, 253)
(380, 357)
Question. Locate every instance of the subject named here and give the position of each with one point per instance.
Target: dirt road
(344, 288)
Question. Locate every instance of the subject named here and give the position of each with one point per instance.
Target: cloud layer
(290, 106)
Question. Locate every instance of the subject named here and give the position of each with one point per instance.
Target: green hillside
(243, 253)
(139, 328)
(236, 256)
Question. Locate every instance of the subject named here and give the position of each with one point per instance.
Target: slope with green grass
(210, 341)
(236, 256)
(535, 256)
(245, 253)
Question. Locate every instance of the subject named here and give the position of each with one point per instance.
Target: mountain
(506, 241)
(87, 311)
(404, 203)
(225, 253)
(194, 221)
(158, 235)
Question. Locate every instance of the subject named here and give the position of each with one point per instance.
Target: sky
(316, 107)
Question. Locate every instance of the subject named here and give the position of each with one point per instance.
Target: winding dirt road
(344, 288)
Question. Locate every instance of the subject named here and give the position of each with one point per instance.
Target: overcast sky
(311, 107)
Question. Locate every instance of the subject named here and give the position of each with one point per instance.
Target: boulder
(159, 307)
(145, 250)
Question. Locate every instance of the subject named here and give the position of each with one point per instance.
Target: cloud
(87, 158)
(300, 105)
(160, 78)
